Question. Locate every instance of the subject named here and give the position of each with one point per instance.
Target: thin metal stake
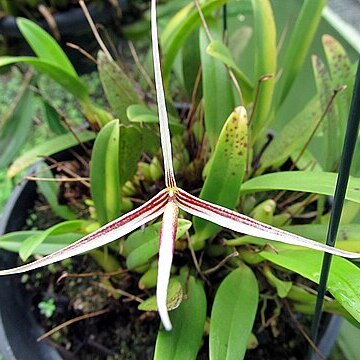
(340, 191)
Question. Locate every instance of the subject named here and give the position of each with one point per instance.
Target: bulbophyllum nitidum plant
(235, 303)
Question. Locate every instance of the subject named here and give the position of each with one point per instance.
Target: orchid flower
(167, 202)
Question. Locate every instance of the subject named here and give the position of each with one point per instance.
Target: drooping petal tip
(166, 250)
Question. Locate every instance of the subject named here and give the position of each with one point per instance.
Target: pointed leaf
(219, 51)
(13, 241)
(16, 125)
(53, 119)
(184, 341)
(48, 148)
(30, 245)
(299, 44)
(105, 173)
(304, 181)
(265, 63)
(73, 84)
(344, 277)
(44, 46)
(233, 315)
(228, 162)
(181, 27)
(215, 81)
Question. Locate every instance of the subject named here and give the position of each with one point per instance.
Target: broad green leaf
(330, 125)
(233, 315)
(292, 137)
(48, 148)
(53, 119)
(13, 241)
(44, 46)
(188, 320)
(229, 164)
(16, 125)
(304, 181)
(73, 84)
(105, 173)
(29, 245)
(265, 63)
(174, 298)
(142, 245)
(217, 88)
(178, 30)
(134, 141)
(348, 340)
(219, 51)
(307, 161)
(119, 89)
(344, 276)
(50, 190)
(299, 43)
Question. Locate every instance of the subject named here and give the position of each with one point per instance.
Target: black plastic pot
(73, 27)
(18, 327)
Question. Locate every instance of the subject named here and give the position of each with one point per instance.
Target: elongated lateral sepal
(166, 251)
(163, 118)
(109, 232)
(240, 223)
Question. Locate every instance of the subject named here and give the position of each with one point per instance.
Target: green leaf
(53, 119)
(48, 148)
(174, 298)
(233, 315)
(299, 44)
(228, 162)
(304, 181)
(142, 245)
(13, 241)
(188, 320)
(330, 124)
(44, 46)
(29, 245)
(292, 137)
(118, 87)
(142, 114)
(178, 30)
(220, 51)
(344, 277)
(348, 340)
(16, 125)
(50, 189)
(341, 74)
(215, 81)
(265, 63)
(105, 173)
(71, 83)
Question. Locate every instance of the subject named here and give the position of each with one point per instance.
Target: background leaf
(305, 181)
(188, 320)
(16, 125)
(105, 173)
(44, 45)
(119, 89)
(215, 81)
(233, 315)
